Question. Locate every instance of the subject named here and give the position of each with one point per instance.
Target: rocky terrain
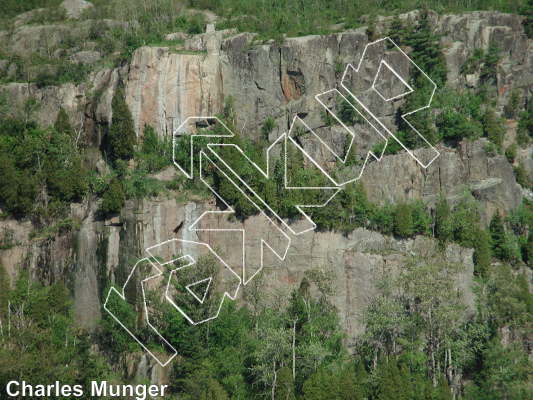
(166, 84)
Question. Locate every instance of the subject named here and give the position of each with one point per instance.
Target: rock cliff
(164, 85)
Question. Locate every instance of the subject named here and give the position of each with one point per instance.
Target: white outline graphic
(280, 250)
(356, 70)
(410, 89)
(122, 296)
(188, 287)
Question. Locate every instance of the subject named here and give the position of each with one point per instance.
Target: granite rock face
(165, 85)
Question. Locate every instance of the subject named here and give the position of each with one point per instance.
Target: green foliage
(61, 73)
(493, 127)
(504, 245)
(403, 221)
(482, 252)
(42, 343)
(62, 123)
(10, 8)
(267, 127)
(398, 32)
(338, 381)
(271, 17)
(426, 50)
(488, 72)
(113, 198)
(511, 108)
(521, 176)
(508, 300)
(121, 136)
(527, 10)
(525, 124)
(443, 221)
(473, 63)
(506, 372)
(510, 153)
(40, 161)
(155, 153)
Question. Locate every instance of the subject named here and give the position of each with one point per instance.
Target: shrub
(493, 127)
(510, 153)
(113, 199)
(267, 127)
(511, 108)
(521, 176)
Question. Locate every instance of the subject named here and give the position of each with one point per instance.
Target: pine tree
(443, 221)
(285, 385)
(113, 198)
(122, 136)
(489, 71)
(403, 221)
(426, 50)
(62, 123)
(394, 382)
(497, 233)
(493, 127)
(482, 252)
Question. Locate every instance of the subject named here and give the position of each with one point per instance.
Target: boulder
(86, 57)
(74, 8)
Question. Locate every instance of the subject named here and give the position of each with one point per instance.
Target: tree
(488, 73)
(497, 233)
(482, 252)
(285, 384)
(121, 136)
(62, 123)
(527, 10)
(443, 221)
(339, 381)
(393, 382)
(397, 31)
(493, 127)
(403, 221)
(267, 127)
(506, 372)
(426, 49)
(525, 124)
(113, 198)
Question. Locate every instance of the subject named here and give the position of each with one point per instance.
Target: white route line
(403, 115)
(122, 296)
(285, 137)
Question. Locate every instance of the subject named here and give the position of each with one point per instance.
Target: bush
(113, 198)
(521, 176)
(510, 153)
(493, 127)
(267, 127)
